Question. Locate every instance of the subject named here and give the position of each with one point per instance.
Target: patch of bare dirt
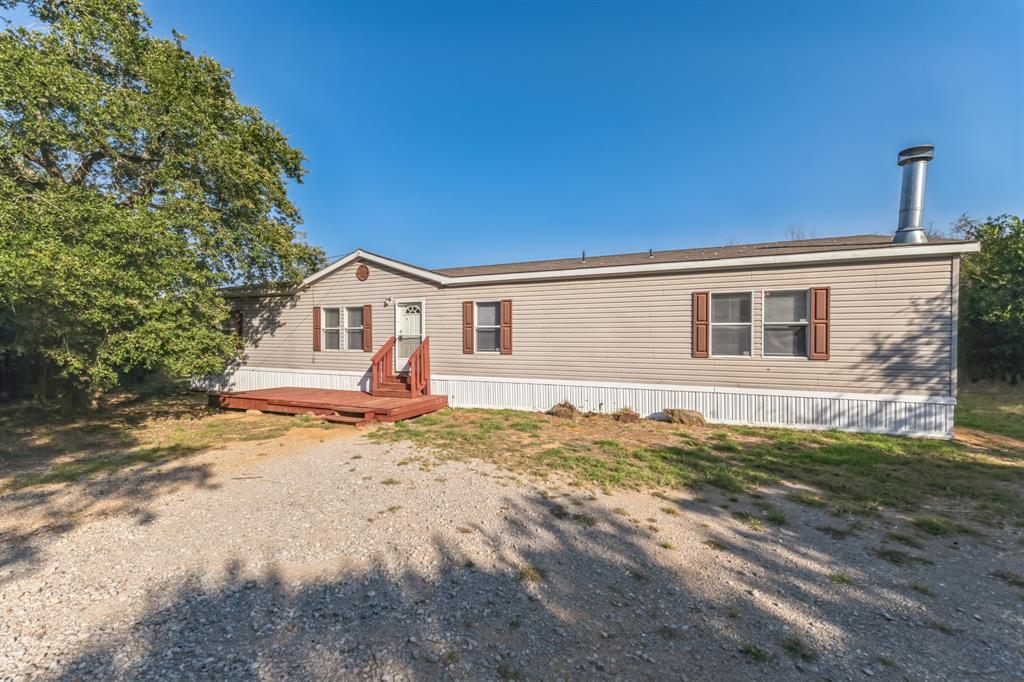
(983, 440)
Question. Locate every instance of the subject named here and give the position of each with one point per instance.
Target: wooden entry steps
(345, 407)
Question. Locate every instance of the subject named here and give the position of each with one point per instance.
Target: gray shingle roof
(682, 255)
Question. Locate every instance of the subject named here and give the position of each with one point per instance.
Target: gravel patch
(352, 560)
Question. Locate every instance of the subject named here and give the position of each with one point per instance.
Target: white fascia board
(887, 253)
(883, 253)
(359, 254)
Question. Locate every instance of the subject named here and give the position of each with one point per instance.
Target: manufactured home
(855, 333)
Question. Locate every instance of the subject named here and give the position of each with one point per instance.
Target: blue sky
(459, 133)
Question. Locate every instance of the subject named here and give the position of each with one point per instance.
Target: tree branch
(82, 172)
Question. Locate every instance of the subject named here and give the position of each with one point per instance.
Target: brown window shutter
(700, 325)
(316, 328)
(467, 327)
(506, 327)
(239, 323)
(820, 303)
(367, 328)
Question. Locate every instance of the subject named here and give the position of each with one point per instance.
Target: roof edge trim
(869, 253)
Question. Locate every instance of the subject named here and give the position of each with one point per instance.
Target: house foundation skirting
(907, 415)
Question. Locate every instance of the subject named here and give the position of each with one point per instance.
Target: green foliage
(992, 299)
(132, 185)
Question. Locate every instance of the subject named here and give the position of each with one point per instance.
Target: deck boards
(356, 406)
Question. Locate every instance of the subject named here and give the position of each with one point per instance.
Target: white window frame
(476, 344)
(712, 324)
(324, 328)
(806, 324)
(345, 328)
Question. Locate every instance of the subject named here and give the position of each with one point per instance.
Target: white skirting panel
(909, 415)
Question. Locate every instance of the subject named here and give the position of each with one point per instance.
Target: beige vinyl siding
(890, 328)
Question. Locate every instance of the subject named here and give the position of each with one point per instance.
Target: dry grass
(44, 447)
(849, 473)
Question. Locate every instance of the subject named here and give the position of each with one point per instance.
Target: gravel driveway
(346, 559)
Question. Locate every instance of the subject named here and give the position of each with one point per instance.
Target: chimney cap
(924, 152)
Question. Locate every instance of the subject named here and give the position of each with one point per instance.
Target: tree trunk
(42, 380)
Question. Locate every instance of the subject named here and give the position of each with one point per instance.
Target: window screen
(488, 327)
(730, 340)
(354, 328)
(731, 324)
(332, 328)
(785, 323)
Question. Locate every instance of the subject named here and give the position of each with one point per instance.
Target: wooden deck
(347, 407)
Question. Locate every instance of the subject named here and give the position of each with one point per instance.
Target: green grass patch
(756, 653)
(797, 648)
(904, 539)
(504, 672)
(835, 533)
(937, 525)
(805, 498)
(860, 474)
(841, 578)
(1009, 577)
(942, 627)
(527, 573)
(993, 408)
(749, 520)
(668, 632)
(895, 556)
(772, 514)
(921, 588)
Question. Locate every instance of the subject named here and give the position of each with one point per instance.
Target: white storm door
(409, 330)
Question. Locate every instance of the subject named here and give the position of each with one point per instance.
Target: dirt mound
(564, 410)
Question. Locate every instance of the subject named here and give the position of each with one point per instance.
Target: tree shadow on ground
(59, 471)
(544, 596)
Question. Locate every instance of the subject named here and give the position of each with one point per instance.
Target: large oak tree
(132, 186)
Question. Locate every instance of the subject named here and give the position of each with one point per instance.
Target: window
(332, 328)
(785, 324)
(488, 327)
(731, 324)
(354, 328)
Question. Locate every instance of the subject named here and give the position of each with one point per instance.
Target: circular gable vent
(362, 273)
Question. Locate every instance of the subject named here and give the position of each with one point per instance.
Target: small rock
(626, 416)
(685, 417)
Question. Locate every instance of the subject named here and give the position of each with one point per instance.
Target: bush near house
(992, 299)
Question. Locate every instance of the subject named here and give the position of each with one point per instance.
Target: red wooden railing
(382, 365)
(419, 369)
